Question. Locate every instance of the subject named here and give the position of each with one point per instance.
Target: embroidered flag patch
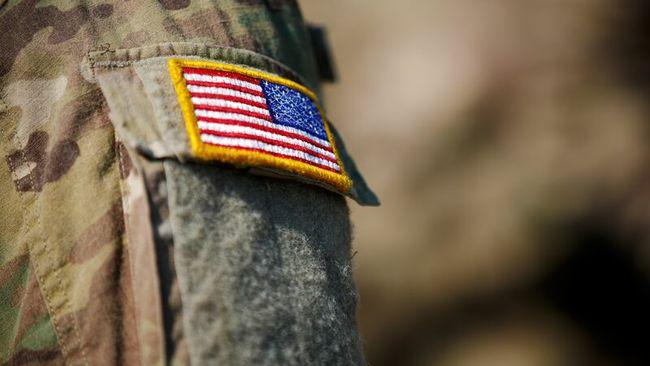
(251, 118)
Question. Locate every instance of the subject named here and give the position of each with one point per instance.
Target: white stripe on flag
(225, 91)
(223, 79)
(229, 104)
(218, 127)
(254, 144)
(258, 121)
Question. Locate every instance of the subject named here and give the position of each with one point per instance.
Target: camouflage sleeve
(117, 247)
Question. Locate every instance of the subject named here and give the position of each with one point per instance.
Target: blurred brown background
(508, 141)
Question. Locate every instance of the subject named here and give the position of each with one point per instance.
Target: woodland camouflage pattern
(72, 291)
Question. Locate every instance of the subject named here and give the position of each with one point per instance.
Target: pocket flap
(227, 106)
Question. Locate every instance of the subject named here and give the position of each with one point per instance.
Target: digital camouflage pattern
(74, 289)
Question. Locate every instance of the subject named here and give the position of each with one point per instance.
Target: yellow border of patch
(250, 158)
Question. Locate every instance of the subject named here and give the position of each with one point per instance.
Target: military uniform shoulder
(226, 106)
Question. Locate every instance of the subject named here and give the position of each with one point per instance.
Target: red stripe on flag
(270, 142)
(267, 129)
(191, 70)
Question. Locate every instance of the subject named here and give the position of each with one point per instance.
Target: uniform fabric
(266, 278)
(114, 248)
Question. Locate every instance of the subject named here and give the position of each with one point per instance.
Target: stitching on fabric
(66, 304)
(57, 328)
(198, 50)
(41, 287)
(46, 294)
(60, 287)
(250, 158)
(39, 279)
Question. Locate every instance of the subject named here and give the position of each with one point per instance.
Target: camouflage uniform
(114, 249)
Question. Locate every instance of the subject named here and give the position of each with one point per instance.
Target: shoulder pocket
(224, 106)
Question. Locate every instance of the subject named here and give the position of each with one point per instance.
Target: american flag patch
(251, 118)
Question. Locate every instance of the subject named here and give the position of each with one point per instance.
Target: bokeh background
(509, 143)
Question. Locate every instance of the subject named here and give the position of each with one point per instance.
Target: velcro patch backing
(251, 118)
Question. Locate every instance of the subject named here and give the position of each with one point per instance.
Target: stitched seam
(53, 317)
(39, 278)
(66, 303)
(102, 59)
(59, 340)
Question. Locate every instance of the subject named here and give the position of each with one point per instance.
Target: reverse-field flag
(248, 117)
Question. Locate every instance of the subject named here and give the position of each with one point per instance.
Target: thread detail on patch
(242, 116)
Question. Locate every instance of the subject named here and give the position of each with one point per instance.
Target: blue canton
(291, 108)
